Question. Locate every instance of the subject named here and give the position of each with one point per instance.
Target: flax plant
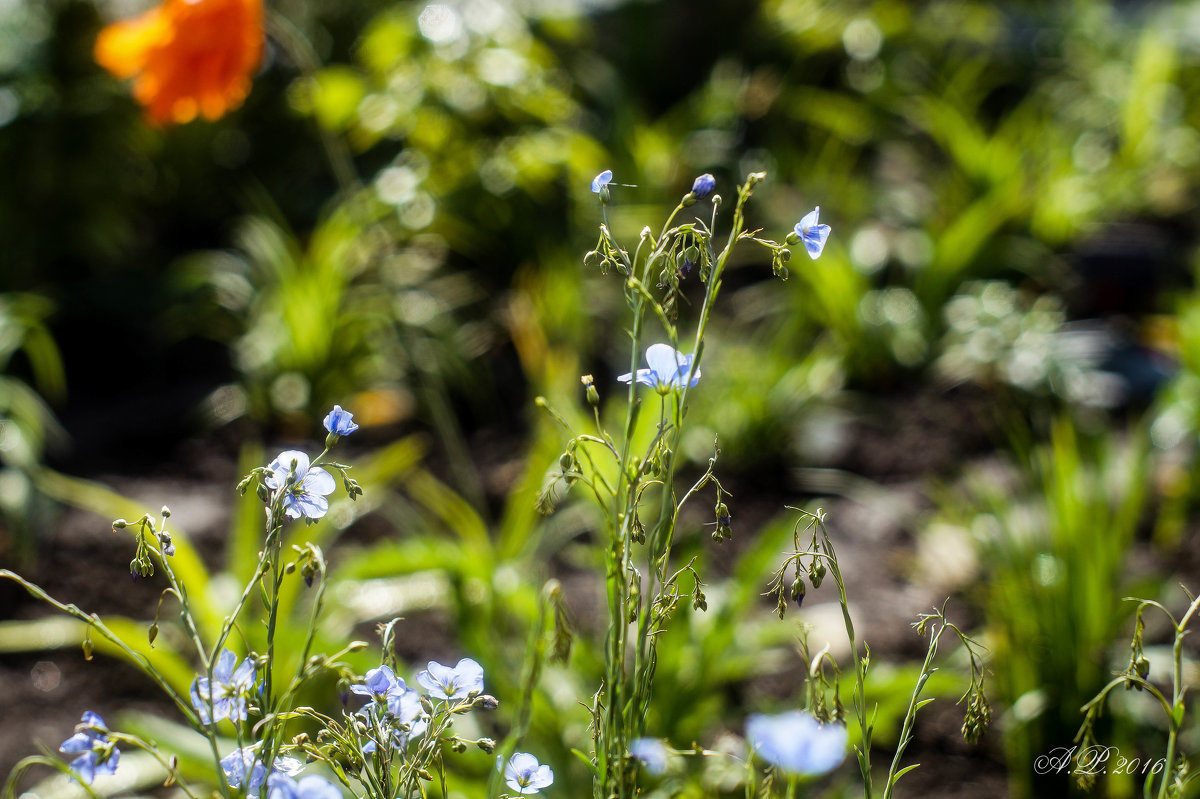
(637, 485)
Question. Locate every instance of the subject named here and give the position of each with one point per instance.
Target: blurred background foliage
(395, 220)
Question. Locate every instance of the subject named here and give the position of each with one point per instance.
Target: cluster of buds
(978, 716)
(1139, 665)
(699, 601)
(724, 530)
(816, 571)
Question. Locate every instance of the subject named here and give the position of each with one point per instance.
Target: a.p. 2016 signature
(1095, 760)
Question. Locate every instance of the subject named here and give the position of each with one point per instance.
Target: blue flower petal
(601, 180)
(814, 240)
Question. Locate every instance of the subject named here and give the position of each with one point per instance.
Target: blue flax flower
(406, 717)
(525, 775)
(304, 488)
(669, 368)
(97, 753)
(225, 697)
(652, 753)
(281, 786)
(380, 684)
(239, 761)
(601, 181)
(447, 683)
(812, 234)
(340, 422)
(703, 186)
(797, 743)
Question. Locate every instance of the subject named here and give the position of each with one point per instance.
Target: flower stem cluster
(634, 484)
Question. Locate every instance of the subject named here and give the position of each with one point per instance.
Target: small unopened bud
(88, 647)
(638, 533)
(152, 633)
(486, 744)
(797, 592)
(459, 745)
(166, 512)
(486, 702)
(423, 773)
(593, 259)
(120, 524)
(566, 462)
(699, 601)
(589, 385)
(816, 573)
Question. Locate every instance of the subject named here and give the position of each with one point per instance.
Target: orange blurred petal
(188, 58)
(122, 47)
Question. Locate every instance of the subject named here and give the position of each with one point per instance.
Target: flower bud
(816, 572)
(152, 633)
(792, 238)
(703, 186)
(589, 385)
(486, 744)
(120, 524)
(166, 512)
(593, 259)
(797, 592)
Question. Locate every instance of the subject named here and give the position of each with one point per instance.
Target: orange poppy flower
(186, 57)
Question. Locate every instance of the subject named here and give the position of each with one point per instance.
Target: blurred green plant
(28, 355)
(1055, 538)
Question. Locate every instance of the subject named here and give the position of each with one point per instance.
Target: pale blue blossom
(443, 682)
(525, 775)
(601, 181)
(797, 743)
(281, 786)
(237, 763)
(304, 488)
(97, 754)
(813, 235)
(379, 684)
(225, 697)
(340, 422)
(652, 753)
(668, 369)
